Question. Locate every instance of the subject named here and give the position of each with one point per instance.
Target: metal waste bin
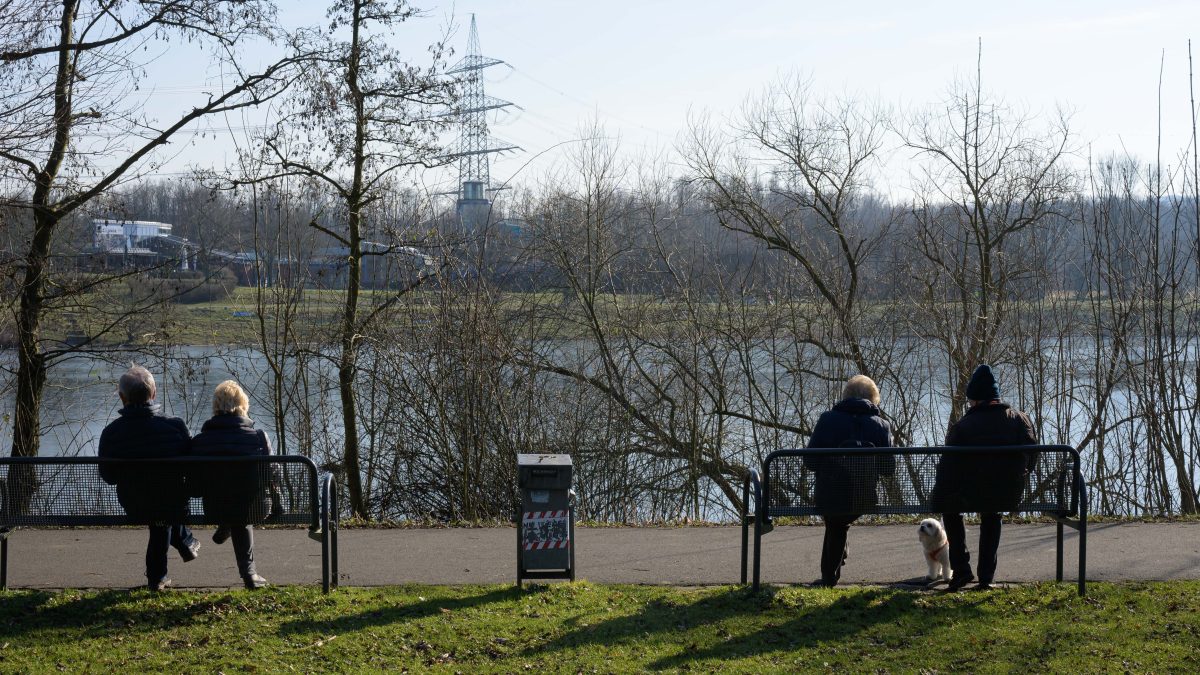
(546, 523)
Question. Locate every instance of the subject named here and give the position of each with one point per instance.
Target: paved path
(681, 556)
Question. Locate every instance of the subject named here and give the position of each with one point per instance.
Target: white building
(126, 236)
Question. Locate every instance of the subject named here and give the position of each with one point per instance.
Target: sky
(640, 68)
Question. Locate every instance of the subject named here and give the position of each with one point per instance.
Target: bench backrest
(827, 481)
(69, 491)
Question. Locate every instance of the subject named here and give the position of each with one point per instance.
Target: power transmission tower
(475, 144)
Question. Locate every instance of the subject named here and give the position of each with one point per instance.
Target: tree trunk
(31, 363)
(31, 379)
(348, 360)
(348, 365)
(346, 370)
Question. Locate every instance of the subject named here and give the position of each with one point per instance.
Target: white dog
(937, 549)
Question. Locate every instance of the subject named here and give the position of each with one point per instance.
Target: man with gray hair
(156, 497)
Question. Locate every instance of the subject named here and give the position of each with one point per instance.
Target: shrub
(187, 287)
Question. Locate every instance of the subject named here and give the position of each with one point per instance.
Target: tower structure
(475, 144)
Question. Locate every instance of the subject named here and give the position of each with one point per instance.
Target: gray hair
(136, 385)
(861, 386)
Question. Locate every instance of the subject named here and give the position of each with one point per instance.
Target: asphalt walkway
(98, 558)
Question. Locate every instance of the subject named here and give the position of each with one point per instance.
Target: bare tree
(794, 174)
(989, 175)
(361, 119)
(69, 131)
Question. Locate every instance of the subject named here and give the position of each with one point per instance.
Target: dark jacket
(234, 494)
(148, 495)
(845, 484)
(990, 482)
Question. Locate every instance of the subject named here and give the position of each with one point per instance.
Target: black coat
(148, 495)
(989, 482)
(846, 484)
(234, 494)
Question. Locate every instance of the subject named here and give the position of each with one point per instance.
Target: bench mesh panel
(70, 491)
(855, 481)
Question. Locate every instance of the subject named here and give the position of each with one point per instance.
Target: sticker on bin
(545, 529)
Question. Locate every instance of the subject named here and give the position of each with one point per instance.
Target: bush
(187, 287)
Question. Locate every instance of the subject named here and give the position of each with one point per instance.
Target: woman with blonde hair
(236, 495)
(845, 485)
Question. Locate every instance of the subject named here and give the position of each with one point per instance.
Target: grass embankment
(585, 627)
(234, 319)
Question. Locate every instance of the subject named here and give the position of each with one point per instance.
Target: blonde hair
(230, 398)
(861, 386)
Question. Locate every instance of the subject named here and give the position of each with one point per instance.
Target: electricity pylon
(474, 143)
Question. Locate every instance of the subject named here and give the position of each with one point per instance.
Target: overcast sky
(640, 66)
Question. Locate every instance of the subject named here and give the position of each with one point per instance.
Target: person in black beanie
(987, 483)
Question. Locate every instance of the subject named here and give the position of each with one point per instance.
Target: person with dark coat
(845, 486)
(237, 495)
(986, 483)
(153, 496)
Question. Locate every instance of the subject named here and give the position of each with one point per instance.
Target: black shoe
(190, 552)
(959, 581)
(221, 535)
(254, 582)
(159, 585)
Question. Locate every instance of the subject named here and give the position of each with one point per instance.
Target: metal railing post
(571, 524)
(1058, 575)
(1083, 514)
(325, 535)
(760, 515)
(757, 551)
(520, 549)
(333, 533)
(745, 524)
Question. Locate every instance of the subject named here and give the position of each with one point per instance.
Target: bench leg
(571, 540)
(333, 535)
(757, 551)
(325, 544)
(325, 562)
(745, 546)
(4, 563)
(520, 551)
(1082, 548)
(745, 526)
(1058, 575)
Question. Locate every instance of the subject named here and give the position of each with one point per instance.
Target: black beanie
(982, 386)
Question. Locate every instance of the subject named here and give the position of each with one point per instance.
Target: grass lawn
(587, 627)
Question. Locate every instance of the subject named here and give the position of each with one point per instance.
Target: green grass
(586, 627)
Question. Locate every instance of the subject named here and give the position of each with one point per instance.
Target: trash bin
(546, 522)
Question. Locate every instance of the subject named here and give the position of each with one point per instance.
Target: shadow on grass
(398, 613)
(741, 629)
(27, 613)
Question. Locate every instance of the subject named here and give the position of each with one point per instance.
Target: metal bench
(69, 492)
(786, 486)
